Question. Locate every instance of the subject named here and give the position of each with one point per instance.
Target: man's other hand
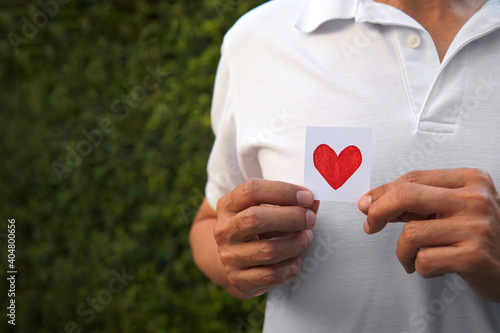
(453, 224)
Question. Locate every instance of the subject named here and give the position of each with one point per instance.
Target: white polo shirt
(295, 63)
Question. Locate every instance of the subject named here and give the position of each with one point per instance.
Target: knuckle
(219, 233)
(268, 251)
(483, 198)
(412, 177)
(480, 200)
(254, 213)
(221, 203)
(484, 231)
(225, 257)
(250, 188)
(241, 281)
(486, 237)
(298, 215)
(472, 259)
(479, 175)
(478, 256)
(269, 277)
(251, 219)
(410, 233)
(234, 280)
(291, 271)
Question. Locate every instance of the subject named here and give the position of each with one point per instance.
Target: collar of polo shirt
(316, 12)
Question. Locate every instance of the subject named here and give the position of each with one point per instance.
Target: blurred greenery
(103, 168)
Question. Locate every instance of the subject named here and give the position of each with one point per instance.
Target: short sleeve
(224, 172)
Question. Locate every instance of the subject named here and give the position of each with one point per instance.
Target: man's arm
(205, 250)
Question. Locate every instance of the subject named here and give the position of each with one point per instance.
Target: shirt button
(413, 41)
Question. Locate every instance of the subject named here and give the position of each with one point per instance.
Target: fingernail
(310, 218)
(309, 234)
(364, 203)
(304, 198)
(366, 226)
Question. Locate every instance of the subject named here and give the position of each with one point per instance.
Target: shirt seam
(404, 77)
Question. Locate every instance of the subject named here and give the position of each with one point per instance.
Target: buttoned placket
(421, 70)
(431, 119)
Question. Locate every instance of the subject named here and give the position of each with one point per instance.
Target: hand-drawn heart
(337, 169)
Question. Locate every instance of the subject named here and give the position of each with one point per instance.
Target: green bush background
(128, 205)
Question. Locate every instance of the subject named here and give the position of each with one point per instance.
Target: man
(424, 75)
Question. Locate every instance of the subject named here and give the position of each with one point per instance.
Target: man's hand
(262, 228)
(453, 224)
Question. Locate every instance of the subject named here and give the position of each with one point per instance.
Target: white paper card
(338, 162)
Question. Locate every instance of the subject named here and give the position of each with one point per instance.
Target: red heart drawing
(337, 169)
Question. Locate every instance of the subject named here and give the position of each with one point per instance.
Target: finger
(264, 219)
(446, 178)
(269, 252)
(423, 234)
(257, 280)
(407, 200)
(437, 261)
(254, 192)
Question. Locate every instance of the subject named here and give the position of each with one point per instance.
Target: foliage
(103, 168)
